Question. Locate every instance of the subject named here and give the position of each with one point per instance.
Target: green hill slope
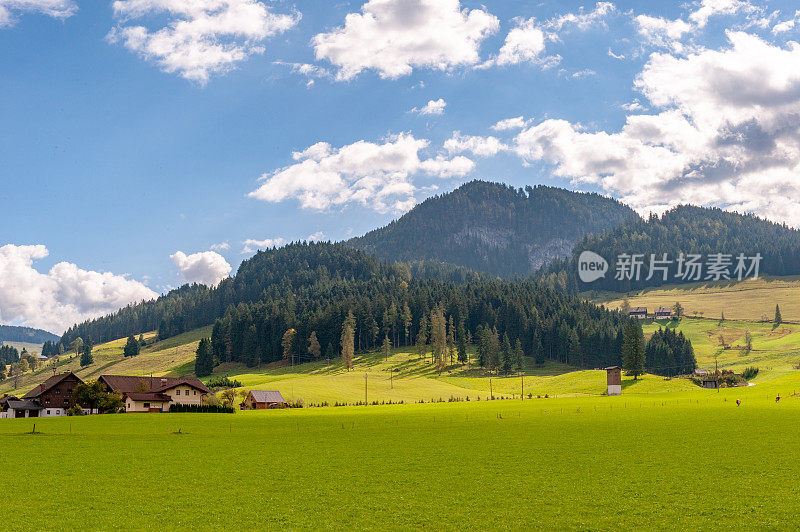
(494, 228)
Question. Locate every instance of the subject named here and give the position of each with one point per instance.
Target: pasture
(750, 300)
(691, 459)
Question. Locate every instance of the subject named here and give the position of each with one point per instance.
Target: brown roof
(49, 383)
(267, 396)
(637, 310)
(155, 397)
(128, 384)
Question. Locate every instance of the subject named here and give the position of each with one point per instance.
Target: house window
(195, 392)
(48, 412)
(146, 405)
(177, 392)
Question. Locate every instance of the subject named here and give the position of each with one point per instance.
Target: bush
(224, 382)
(201, 409)
(75, 410)
(749, 373)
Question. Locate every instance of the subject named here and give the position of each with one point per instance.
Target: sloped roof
(49, 383)
(23, 405)
(637, 310)
(128, 384)
(267, 396)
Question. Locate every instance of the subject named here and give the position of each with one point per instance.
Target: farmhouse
(56, 395)
(663, 313)
(263, 399)
(638, 312)
(155, 394)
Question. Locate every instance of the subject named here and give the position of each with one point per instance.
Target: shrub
(201, 409)
(749, 373)
(224, 382)
(75, 410)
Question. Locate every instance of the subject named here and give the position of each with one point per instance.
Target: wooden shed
(263, 399)
(614, 380)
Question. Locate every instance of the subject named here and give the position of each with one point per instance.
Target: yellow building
(155, 394)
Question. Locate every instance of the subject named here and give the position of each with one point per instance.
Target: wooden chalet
(638, 312)
(155, 394)
(663, 313)
(56, 395)
(263, 399)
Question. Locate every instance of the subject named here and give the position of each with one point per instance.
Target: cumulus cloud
(518, 122)
(200, 37)
(787, 25)
(377, 175)
(222, 246)
(252, 245)
(526, 42)
(315, 237)
(667, 33)
(433, 107)
(727, 134)
(392, 37)
(54, 8)
(207, 267)
(479, 146)
(62, 297)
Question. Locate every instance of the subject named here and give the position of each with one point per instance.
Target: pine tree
(778, 317)
(131, 347)
(518, 356)
(204, 358)
(461, 343)
(507, 355)
(407, 320)
(86, 354)
(633, 347)
(287, 343)
(314, 349)
(451, 340)
(677, 310)
(386, 347)
(422, 337)
(348, 341)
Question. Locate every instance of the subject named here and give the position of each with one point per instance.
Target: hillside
(494, 228)
(25, 335)
(750, 300)
(686, 230)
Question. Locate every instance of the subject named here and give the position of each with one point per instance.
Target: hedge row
(204, 409)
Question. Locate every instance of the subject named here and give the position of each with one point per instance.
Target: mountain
(12, 333)
(690, 230)
(494, 228)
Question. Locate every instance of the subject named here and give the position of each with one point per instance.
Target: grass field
(19, 346)
(747, 300)
(692, 459)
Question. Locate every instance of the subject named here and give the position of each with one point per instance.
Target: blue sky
(116, 155)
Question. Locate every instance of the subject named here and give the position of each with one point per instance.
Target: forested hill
(692, 231)
(272, 273)
(494, 228)
(12, 333)
(325, 288)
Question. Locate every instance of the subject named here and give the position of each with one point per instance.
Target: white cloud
(709, 8)
(526, 42)
(251, 245)
(393, 37)
(585, 73)
(371, 174)
(433, 107)
(206, 267)
(517, 122)
(479, 146)
(787, 25)
(62, 297)
(201, 37)
(222, 246)
(54, 8)
(315, 237)
(727, 134)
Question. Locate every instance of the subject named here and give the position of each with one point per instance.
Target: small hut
(614, 379)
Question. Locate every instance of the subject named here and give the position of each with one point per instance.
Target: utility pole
(365, 389)
(522, 393)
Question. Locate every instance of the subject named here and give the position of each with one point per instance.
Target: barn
(263, 399)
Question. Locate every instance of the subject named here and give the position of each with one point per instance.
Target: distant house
(56, 395)
(699, 371)
(710, 383)
(638, 312)
(12, 407)
(663, 313)
(155, 394)
(263, 399)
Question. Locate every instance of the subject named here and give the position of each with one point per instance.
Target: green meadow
(691, 459)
